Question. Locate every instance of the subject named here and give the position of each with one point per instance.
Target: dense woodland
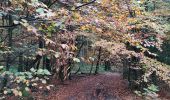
(85, 49)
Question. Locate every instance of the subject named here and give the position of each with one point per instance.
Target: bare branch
(85, 4)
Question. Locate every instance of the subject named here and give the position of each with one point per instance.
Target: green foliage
(43, 72)
(144, 67)
(151, 90)
(21, 81)
(1, 68)
(40, 72)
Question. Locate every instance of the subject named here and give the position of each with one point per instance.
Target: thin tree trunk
(20, 66)
(91, 67)
(98, 61)
(9, 41)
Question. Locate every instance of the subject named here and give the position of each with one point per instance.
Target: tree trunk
(20, 66)
(9, 41)
(98, 61)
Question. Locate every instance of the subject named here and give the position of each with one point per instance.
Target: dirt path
(107, 86)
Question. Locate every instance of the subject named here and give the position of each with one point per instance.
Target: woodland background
(43, 42)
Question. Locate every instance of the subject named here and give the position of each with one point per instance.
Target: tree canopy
(40, 38)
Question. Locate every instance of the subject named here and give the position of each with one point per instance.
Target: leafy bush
(21, 83)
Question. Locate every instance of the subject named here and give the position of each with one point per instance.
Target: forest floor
(103, 86)
(106, 86)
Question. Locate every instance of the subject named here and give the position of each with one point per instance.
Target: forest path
(106, 86)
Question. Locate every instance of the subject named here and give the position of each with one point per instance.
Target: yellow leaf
(73, 47)
(85, 0)
(77, 16)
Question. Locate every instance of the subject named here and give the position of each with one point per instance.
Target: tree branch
(9, 26)
(85, 4)
(52, 3)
